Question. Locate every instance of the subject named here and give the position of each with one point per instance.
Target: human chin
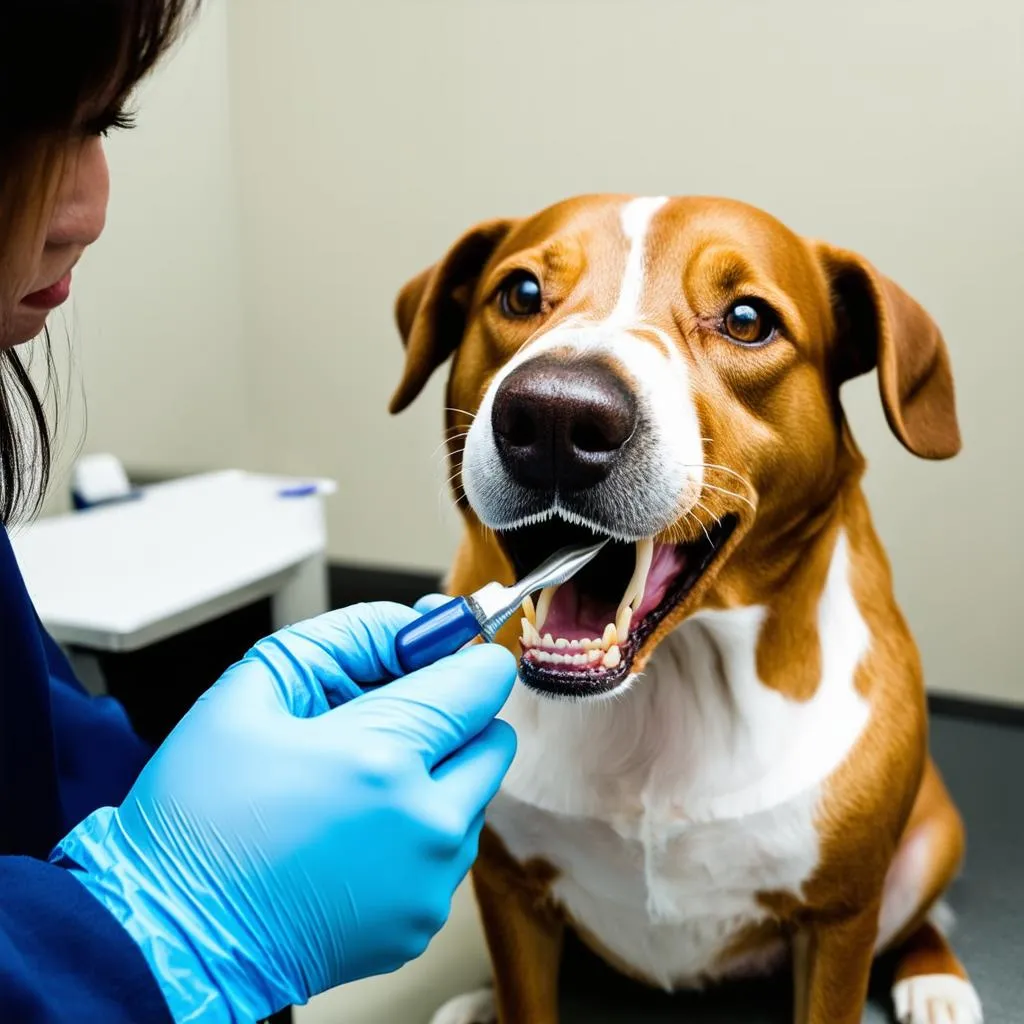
(24, 325)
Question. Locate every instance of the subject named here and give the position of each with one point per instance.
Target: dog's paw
(472, 1008)
(936, 999)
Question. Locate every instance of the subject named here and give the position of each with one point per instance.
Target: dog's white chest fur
(666, 810)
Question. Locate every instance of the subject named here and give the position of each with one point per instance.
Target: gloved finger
(436, 710)
(469, 779)
(321, 663)
(470, 848)
(429, 602)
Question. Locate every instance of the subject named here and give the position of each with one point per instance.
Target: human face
(40, 267)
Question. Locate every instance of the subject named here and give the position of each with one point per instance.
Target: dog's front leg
(524, 934)
(832, 966)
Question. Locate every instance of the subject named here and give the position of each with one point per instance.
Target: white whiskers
(692, 515)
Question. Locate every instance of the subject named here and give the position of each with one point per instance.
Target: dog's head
(664, 373)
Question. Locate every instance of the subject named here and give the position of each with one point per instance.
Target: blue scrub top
(63, 956)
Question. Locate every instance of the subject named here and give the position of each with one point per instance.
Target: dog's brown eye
(521, 295)
(750, 322)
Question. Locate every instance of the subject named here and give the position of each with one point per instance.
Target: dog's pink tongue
(580, 617)
(572, 617)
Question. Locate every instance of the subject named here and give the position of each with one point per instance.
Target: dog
(723, 758)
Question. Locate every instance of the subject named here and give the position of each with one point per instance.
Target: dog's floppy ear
(879, 324)
(431, 309)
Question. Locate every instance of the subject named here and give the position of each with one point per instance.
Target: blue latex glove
(278, 844)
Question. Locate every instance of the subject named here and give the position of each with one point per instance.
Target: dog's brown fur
(776, 418)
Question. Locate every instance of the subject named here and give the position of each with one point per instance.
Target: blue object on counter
(298, 491)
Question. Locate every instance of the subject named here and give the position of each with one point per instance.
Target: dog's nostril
(520, 430)
(591, 438)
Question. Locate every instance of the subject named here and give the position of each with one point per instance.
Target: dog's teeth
(595, 656)
(580, 660)
(529, 610)
(638, 583)
(574, 644)
(530, 638)
(613, 658)
(610, 636)
(548, 640)
(622, 623)
(544, 605)
(561, 643)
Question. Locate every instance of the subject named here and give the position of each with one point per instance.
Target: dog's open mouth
(580, 639)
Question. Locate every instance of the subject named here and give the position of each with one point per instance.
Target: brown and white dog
(723, 761)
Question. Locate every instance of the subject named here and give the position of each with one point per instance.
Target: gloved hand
(278, 844)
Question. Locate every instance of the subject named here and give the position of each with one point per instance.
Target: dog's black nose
(562, 425)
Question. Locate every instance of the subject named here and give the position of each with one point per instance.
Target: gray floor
(983, 764)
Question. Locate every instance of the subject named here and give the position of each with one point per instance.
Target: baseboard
(350, 584)
(977, 708)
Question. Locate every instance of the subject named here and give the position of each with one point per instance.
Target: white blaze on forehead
(636, 219)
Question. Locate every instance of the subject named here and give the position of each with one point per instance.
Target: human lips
(50, 297)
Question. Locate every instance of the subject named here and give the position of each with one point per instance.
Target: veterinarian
(287, 837)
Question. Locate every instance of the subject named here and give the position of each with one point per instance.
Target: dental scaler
(454, 624)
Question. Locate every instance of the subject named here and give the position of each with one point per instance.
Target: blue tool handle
(436, 635)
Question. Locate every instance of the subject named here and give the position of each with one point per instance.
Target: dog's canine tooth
(613, 658)
(638, 582)
(622, 623)
(610, 636)
(544, 606)
(529, 609)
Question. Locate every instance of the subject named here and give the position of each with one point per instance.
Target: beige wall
(299, 160)
(369, 135)
(156, 322)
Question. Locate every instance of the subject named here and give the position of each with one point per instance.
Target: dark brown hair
(60, 60)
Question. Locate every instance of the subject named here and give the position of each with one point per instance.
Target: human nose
(80, 211)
